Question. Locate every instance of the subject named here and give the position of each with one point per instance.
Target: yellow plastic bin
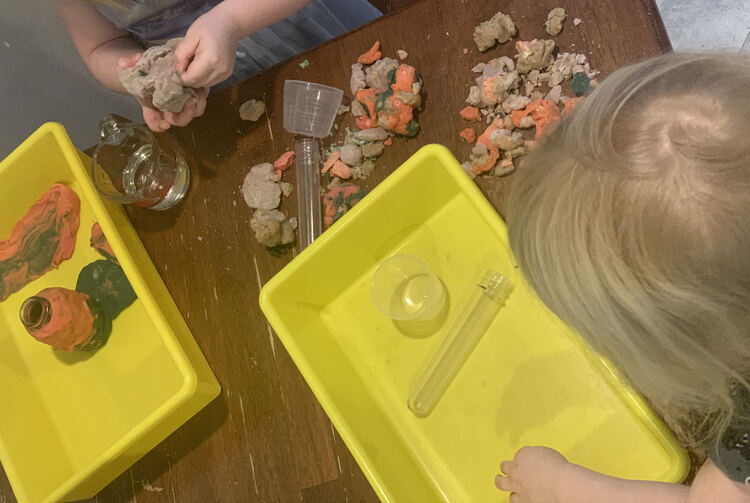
(72, 422)
(530, 381)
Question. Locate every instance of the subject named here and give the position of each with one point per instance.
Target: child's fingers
(184, 116)
(201, 108)
(155, 120)
(184, 52)
(199, 73)
(507, 467)
(515, 498)
(503, 483)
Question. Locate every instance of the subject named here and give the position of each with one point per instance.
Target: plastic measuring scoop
(490, 295)
(309, 111)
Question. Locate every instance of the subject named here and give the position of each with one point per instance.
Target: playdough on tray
(39, 241)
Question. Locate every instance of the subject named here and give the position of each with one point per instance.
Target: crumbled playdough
(261, 189)
(341, 170)
(376, 75)
(40, 240)
(536, 54)
(332, 158)
(499, 28)
(99, 243)
(555, 19)
(272, 228)
(468, 134)
(286, 189)
(577, 21)
(388, 141)
(373, 149)
(342, 109)
(543, 112)
(470, 113)
(570, 105)
(373, 54)
(351, 154)
(357, 80)
(580, 84)
(372, 134)
(357, 109)
(155, 75)
(304, 64)
(283, 163)
(252, 110)
(339, 200)
(402, 54)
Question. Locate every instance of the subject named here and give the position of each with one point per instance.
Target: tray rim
(448, 162)
(189, 375)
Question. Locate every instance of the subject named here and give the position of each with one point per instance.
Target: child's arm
(207, 53)
(543, 475)
(108, 50)
(100, 43)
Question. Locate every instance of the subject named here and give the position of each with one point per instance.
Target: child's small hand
(534, 475)
(157, 120)
(206, 55)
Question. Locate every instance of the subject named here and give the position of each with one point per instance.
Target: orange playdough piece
(494, 152)
(470, 113)
(372, 55)
(283, 163)
(388, 141)
(571, 105)
(468, 134)
(332, 158)
(341, 169)
(544, 112)
(406, 75)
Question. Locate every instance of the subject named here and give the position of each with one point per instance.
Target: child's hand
(534, 475)
(206, 55)
(157, 120)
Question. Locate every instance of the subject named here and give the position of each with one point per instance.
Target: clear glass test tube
(490, 295)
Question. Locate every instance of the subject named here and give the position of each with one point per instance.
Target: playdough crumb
(251, 110)
(372, 55)
(500, 28)
(470, 113)
(555, 19)
(468, 134)
(577, 21)
(283, 163)
(304, 64)
(332, 158)
(402, 54)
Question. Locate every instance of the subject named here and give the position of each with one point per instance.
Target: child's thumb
(185, 52)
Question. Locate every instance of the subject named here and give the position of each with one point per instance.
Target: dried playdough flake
(500, 28)
(470, 113)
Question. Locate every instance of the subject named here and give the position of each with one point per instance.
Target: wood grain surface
(266, 438)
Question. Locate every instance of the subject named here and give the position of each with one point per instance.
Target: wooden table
(266, 438)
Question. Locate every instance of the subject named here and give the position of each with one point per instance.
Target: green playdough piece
(304, 64)
(412, 128)
(581, 84)
(106, 283)
(391, 76)
(102, 327)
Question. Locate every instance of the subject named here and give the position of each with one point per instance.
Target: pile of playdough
(513, 97)
(385, 94)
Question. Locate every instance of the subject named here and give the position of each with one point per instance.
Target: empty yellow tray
(72, 422)
(530, 381)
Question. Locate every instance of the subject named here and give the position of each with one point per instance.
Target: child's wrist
(231, 25)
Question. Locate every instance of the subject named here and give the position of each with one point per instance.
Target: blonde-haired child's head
(632, 222)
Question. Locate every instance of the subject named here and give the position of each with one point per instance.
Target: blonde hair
(632, 223)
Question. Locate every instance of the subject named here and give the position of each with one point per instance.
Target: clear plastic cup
(405, 289)
(309, 108)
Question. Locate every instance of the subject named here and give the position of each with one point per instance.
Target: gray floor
(43, 79)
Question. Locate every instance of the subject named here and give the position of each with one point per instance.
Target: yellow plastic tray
(72, 422)
(530, 381)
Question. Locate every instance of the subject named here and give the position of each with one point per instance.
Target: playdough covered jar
(65, 319)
